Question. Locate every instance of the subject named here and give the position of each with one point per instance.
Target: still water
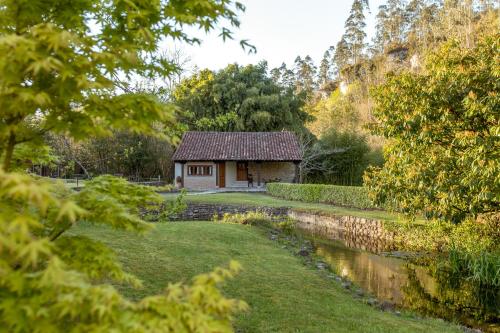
(381, 276)
(427, 291)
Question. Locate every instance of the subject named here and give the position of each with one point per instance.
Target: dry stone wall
(206, 212)
(357, 232)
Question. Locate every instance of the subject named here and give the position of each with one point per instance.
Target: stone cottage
(211, 160)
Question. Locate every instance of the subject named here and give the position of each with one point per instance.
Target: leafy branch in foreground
(50, 283)
(67, 66)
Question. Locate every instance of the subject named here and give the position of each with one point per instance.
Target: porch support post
(182, 174)
(259, 164)
(296, 177)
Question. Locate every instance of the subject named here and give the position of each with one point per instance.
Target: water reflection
(411, 286)
(381, 276)
(454, 299)
(362, 242)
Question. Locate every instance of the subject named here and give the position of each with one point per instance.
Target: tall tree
(381, 38)
(342, 55)
(391, 28)
(284, 77)
(422, 15)
(325, 68)
(443, 157)
(456, 21)
(239, 98)
(305, 75)
(355, 29)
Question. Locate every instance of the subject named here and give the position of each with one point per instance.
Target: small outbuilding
(212, 160)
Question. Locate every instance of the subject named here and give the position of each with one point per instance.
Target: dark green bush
(349, 196)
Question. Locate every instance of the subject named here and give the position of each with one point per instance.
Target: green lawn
(262, 199)
(284, 295)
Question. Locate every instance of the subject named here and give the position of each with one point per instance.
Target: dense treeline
(329, 105)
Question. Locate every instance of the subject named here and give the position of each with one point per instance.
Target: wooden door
(241, 171)
(222, 174)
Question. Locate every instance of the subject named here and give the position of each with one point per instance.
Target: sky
(281, 30)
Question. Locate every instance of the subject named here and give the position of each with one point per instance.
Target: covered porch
(241, 176)
(236, 160)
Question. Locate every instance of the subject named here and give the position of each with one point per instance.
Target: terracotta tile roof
(238, 146)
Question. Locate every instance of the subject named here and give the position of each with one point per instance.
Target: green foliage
(254, 218)
(349, 196)
(61, 64)
(66, 68)
(117, 202)
(473, 236)
(338, 111)
(50, 282)
(238, 98)
(286, 224)
(27, 154)
(338, 158)
(174, 207)
(442, 157)
(471, 247)
(482, 268)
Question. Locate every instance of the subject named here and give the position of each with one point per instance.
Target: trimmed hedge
(348, 196)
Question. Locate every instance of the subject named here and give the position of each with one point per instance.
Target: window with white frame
(200, 170)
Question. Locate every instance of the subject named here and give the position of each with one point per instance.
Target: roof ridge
(221, 132)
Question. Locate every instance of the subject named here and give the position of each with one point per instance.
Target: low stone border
(360, 230)
(206, 212)
(357, 232)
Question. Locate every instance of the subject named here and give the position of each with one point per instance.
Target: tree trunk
(9, 151)
(83, 168)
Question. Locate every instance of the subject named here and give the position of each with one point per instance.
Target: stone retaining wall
(206, 212)
(358, 232)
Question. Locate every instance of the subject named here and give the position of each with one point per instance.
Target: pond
(426, 290)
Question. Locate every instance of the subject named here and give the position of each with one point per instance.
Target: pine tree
(342, 55)
(283, 76)
(325, 72)
(381, 35)
(421, 16)
(397, 22)
(456, 21)
(305, 73)
(355, 25)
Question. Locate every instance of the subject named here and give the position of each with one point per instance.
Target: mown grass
(261, 199)
(284, 295)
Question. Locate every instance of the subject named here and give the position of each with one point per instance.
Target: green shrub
(248, 218)
(482, 267)
(282, 223)
(471, 236)
(286, 224)
(472, 247)
(349, 196)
